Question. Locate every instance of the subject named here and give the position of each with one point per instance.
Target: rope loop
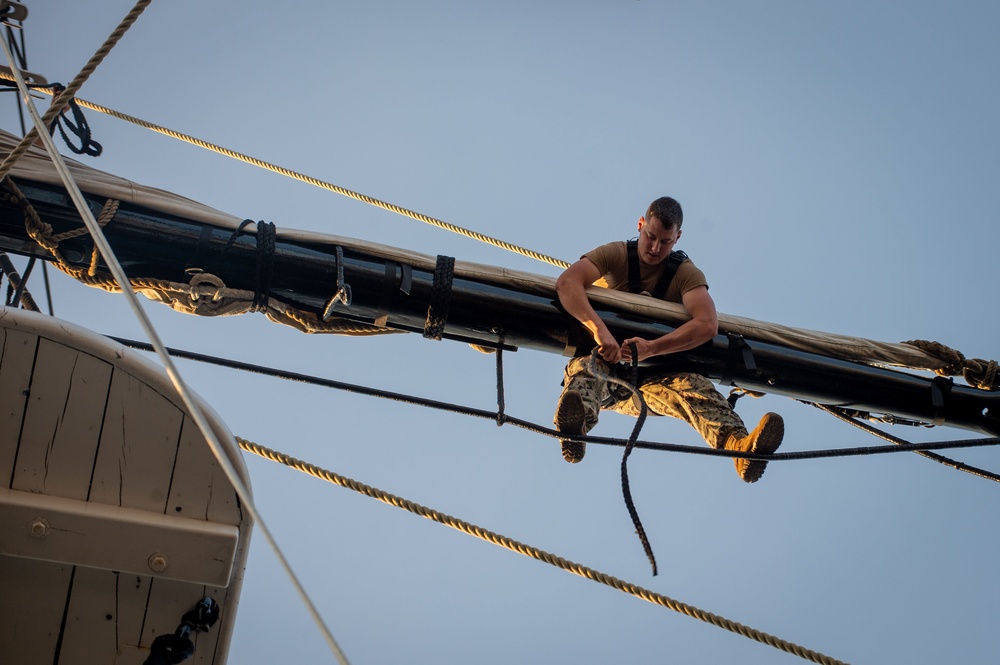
(440, 303)
(341, 289)
(266, 248)
(80, 128)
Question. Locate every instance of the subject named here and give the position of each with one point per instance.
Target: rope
(535, 553)
(978, 373)
(501, 402)
(205, 295)
(194, 410)
(547, 431)
(60, 102)
(266, 234)
(440, 301)
(309, 180)
(630, 444)
(17, 285)
(960, 466)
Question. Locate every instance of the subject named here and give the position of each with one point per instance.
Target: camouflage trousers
(688, 397)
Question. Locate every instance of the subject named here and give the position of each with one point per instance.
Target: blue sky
(837, 163)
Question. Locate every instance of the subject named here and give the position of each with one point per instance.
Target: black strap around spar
(674, 261)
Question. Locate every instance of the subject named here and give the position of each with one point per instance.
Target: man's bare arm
(703, 326)
(571, 287)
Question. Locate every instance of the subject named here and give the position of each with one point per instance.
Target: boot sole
(772, 431)
(571, 418)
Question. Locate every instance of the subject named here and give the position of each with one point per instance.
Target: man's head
(659, 230)
(667, 210)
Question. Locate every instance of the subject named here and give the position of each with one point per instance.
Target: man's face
(656, 242)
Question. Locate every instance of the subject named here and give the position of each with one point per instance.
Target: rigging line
(62, 101)
(309, 180)
(639, 421)
(193, 408)
(538, 429)
(22, 295)
(941, 459)
(535, 553)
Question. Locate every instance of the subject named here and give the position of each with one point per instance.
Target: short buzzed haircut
(668, 211)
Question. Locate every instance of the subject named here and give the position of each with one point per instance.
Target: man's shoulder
(608, 254)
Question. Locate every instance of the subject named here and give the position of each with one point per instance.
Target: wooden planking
(138, 446)
(137, 450)
(104, 614)
(61, 431)
(17, 356)
(33, 600)
(200, 488)
(169, 601)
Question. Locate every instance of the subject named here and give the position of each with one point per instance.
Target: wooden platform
(115, 518)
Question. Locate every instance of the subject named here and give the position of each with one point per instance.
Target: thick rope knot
(978, 373)
(982, 374)
(954, 360)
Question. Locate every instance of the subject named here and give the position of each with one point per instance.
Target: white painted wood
(95, 535)
(93, 436)
(17, 356)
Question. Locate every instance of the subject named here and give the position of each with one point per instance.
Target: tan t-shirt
(612, 261)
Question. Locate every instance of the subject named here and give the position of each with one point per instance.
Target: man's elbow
(563, 285)
(710, 328)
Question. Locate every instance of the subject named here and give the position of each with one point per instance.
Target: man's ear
(642, 220)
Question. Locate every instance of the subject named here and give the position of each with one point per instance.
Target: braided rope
(535, 553)
(977, 372)
(309, 180)
(60, 102)
(598, 371)
(203, 288)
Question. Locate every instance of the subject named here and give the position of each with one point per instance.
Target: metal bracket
(12, 11)
(30, 78)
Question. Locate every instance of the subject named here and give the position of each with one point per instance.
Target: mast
(396, 294)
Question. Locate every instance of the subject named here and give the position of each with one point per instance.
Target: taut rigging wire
(101, 243)
(501, 418)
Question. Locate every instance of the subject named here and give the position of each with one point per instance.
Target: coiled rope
(535, 553)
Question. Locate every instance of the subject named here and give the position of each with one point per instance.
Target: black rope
(547, 431)
(80, 128)
(630, 444)
(48, 288)
(266, 249)
(266, 241)
(341, 289)
(874, 431)
(501, 417)
(440, 302)
(233, 237)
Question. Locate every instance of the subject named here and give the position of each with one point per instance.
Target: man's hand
(643, 348)
(607, 346)
(571, 287)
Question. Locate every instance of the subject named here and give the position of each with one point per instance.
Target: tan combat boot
(764, 439)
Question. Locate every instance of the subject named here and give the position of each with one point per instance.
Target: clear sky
(837, 162)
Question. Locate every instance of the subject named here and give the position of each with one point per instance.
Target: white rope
(196, 413)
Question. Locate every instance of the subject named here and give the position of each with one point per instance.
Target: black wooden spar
(304, 275)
